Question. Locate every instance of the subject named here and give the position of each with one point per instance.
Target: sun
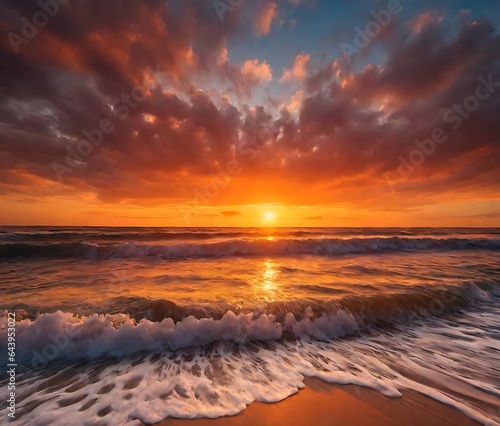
(269, 216)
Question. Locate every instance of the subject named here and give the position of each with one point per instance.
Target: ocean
(134, 325)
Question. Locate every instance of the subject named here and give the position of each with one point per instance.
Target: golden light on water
(269, 285)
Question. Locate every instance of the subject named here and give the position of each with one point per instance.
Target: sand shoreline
(322, 404)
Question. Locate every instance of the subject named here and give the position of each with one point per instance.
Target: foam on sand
(224, 377)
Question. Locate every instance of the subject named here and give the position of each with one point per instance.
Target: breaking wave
(156, 325)
(245, 247)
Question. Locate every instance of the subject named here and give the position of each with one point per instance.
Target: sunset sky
(250, 113)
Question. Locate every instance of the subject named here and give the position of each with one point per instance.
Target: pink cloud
(425, 19)
(256, 71)
(266, 18)
(181, 137)
(298, 70)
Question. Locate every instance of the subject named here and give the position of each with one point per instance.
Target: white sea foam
(225, 377)
(63, 335)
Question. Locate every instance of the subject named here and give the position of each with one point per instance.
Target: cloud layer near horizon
(311, 132)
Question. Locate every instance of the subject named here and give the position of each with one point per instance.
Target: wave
(375, 309)
(194, 234)
(162, 325)
(245, 247)
(217, 366)
(123, 236)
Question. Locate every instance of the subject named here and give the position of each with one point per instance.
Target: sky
(250, 113)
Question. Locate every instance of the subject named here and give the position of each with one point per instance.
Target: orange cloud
(298, 70)
(256, 71)
(295, 101)
(425, 19)
(327, 141)
(266, 18)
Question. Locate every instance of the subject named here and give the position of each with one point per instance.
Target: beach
(322, 404)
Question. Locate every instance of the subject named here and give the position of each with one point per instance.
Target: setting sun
(269, 216)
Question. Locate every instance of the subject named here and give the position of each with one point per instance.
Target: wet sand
(321, 404)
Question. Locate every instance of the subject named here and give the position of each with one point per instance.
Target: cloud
(314, 218)
(489, 215)
(330, 140)
(266, 17)
(231, 213)
(295, 101)
(297, 2)
(424, 19)
(245, 78)
(298, 70)
(256, 72)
